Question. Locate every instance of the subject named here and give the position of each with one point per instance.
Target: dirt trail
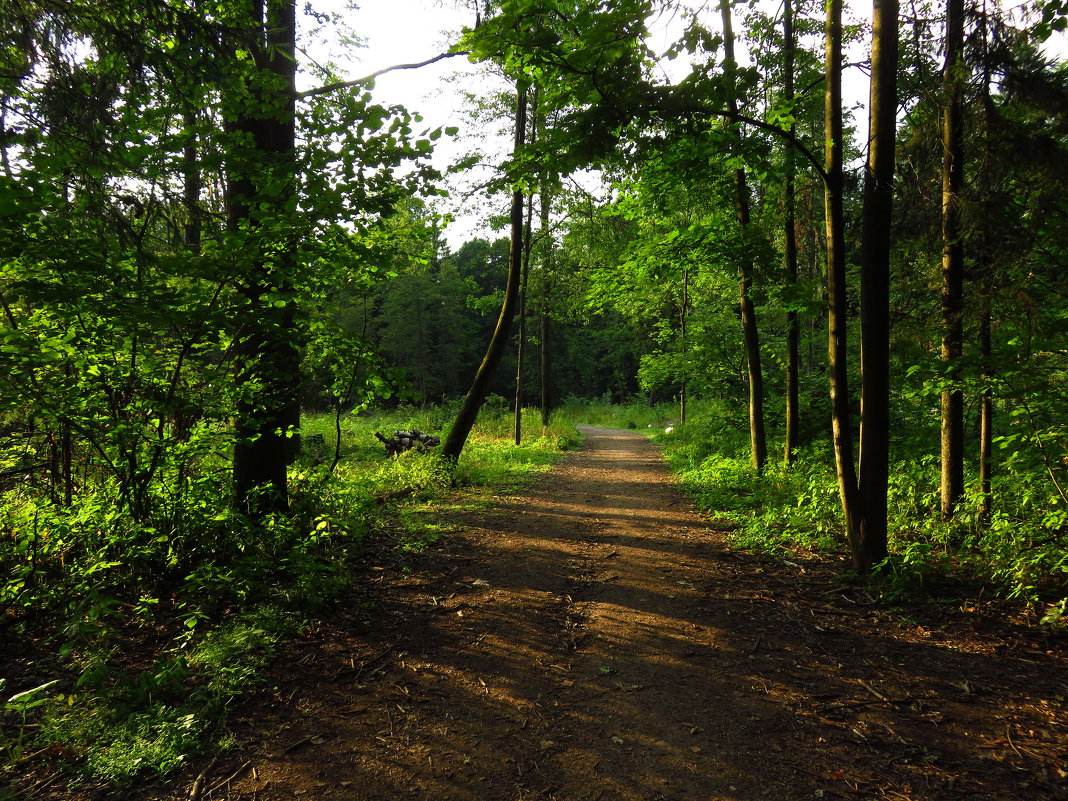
(595, 640)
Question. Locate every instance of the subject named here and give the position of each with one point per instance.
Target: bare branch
(334, 87)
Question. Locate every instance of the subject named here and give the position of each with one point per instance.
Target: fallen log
(403, 441)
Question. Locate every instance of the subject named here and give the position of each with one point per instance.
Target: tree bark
(952, 296)
(986, 415)
(793, 330)
(545, 329)
(262, 179)
(837, 307)
(986, 354)
(468, 413)
(193, 182)
(684, 314)
(521, 348)
(876, 240)
(750, 331)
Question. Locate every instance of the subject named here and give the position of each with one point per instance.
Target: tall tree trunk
(684, 315)
(837, 307)
(986, 355)
(262, 178)
(521, 349)
(876, 240)
(793, 329)
(468, 413)
(545, 331)
(750, 332)
(193, 182)
(952, 397)
(986, 413)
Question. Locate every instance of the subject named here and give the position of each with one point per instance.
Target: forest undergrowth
(1020, 553)
(135, 636)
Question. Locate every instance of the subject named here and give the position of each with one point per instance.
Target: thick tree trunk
(952, 398)
(871, 544)
(262, 178)
(750, 332)
(465, 418)
(837, 307)
(793, 329)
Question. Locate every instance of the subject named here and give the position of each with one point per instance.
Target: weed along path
(596, 640)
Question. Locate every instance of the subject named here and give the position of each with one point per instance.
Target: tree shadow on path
(595, 640)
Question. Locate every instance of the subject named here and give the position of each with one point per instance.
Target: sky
(411, 31)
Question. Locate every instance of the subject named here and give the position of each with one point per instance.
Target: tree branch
(333, 87)
(666, 104)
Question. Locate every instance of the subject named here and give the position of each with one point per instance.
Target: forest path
(596, 640)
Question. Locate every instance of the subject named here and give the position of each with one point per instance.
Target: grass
(636, 415)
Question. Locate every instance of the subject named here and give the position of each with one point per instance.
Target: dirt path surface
(596, 640)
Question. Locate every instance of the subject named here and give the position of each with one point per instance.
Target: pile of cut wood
(402, 441)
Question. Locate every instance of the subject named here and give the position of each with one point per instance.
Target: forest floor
(594, 639)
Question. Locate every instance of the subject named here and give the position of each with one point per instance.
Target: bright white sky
(410, 31)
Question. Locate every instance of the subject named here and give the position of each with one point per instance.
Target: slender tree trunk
(521, 349)
(545, 329)
(468, 413)
(986, 411)
(837, 307)
(871, 545)
(750, 332)
(684, 314)
(952, 398)
(262, 178)
(193, 183)
(793, 328)
(986, 355)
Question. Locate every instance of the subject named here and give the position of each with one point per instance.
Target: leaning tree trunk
(262, 176)
(952, 397)
(871, 545)
(750, 332)
(465, 418)
(837, 307)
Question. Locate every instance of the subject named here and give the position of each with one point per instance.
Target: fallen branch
(230, 778)
(851, 704)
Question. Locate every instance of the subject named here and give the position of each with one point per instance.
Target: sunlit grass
(636, 415)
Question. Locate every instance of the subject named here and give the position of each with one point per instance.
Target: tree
(838, 306)
(468, 413)
(751, 333)
(793, 328)
(870, 537)
(952, 396)
(261, 199)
